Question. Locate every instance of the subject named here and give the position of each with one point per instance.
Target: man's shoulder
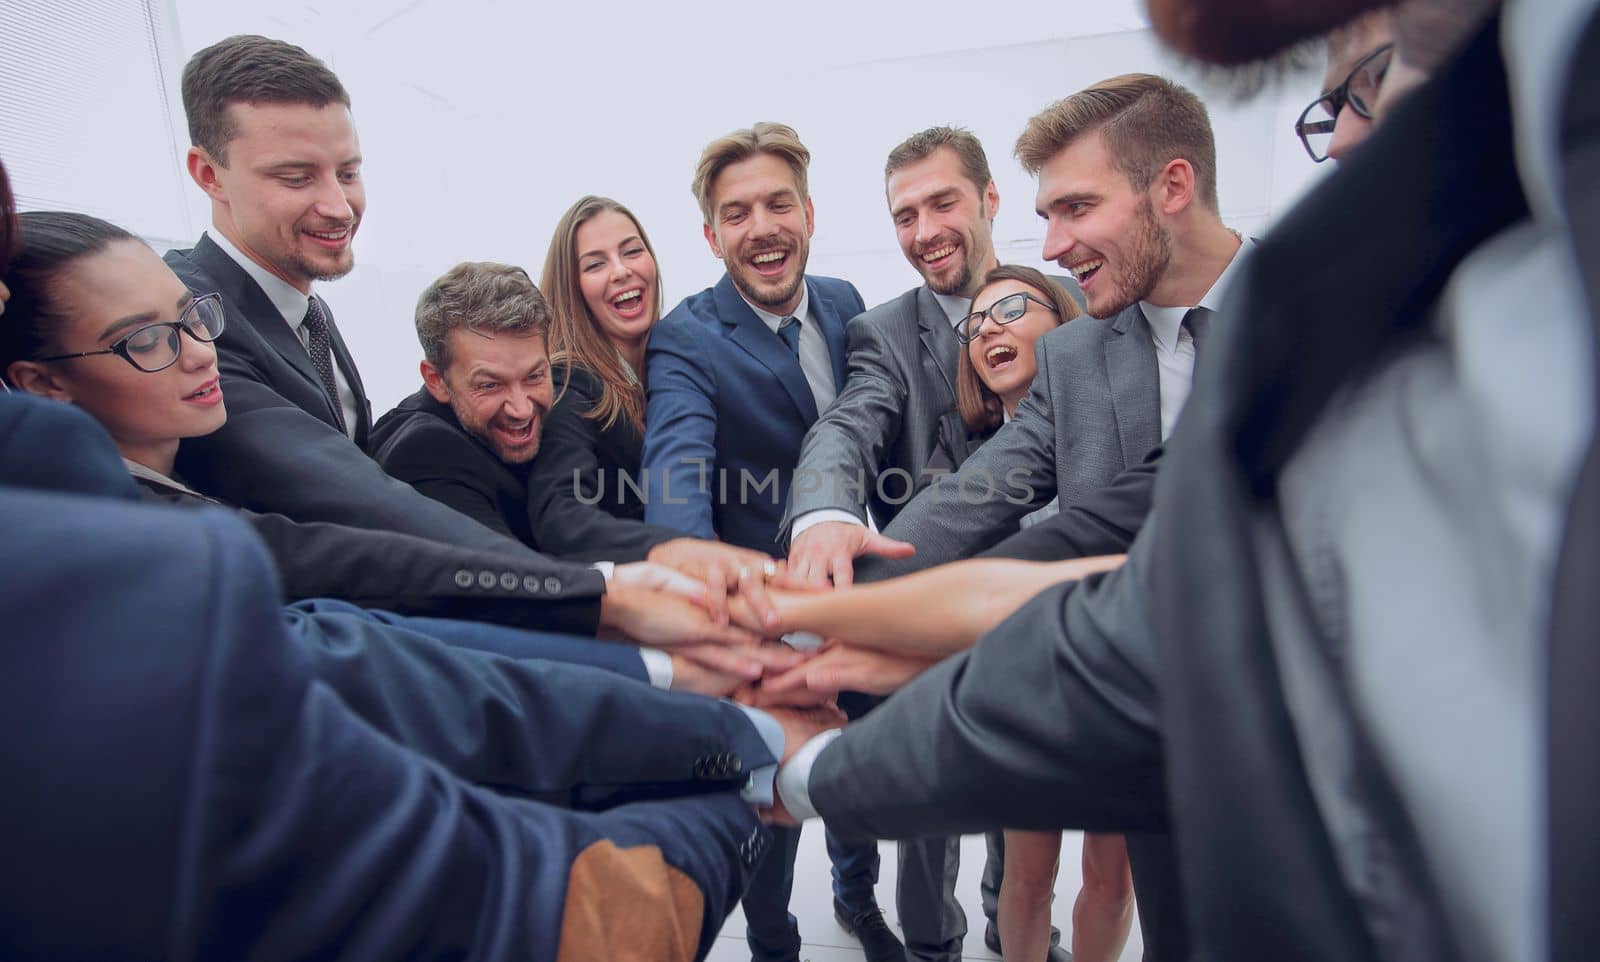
(839, 294)
(900, 311)
(417, 425)
(1080, 332)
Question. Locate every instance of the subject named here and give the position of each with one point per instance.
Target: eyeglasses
(155, 347)
(1359, 90)
(1006, 310)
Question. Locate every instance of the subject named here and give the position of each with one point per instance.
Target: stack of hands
(721, 611)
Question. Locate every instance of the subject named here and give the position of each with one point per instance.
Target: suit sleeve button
(487, 580)
(552, 585)
(464, 578)
(530, 584)
(509, 581)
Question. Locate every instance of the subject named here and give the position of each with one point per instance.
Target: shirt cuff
(820, 516)
(605, 568)
(758, 788)
(794, 779)
(658, 666)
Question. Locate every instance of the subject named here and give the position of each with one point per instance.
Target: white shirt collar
(955, 306)
(802, 310)
(1165, 321)
(289, 302)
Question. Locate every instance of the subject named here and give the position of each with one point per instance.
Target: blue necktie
(789, 330)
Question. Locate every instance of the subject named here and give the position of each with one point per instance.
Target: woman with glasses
(1359, 55)
(1015, 307)
(96, 319)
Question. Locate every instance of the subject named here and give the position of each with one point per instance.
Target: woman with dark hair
(97, 320)
(585, 491)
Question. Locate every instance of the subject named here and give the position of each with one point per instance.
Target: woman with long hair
(585, 490)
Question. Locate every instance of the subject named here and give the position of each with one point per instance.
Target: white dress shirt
(815, 358)
(292, 305)
(1175, 347)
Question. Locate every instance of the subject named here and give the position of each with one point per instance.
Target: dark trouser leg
(855, 873)
(1159, 897)
(771, 931)
(930, 916)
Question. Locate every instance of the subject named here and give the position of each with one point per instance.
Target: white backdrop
(481, 120)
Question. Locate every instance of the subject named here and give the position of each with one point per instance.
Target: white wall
(482, 120)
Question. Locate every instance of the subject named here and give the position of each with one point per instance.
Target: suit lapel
(758, 340)
(937, 336)
(827, 314)
(1135, 385)
(251, 305)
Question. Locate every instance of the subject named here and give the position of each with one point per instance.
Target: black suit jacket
(421, 443)
(208, 775)
(280, 450)
(1151, 697)
(585, 492)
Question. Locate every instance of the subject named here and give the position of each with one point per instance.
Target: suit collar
(290, 303)
(1310, 328)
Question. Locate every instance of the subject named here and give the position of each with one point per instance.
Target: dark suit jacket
(901, 359)
(1152, 697)
(280, 451)
(585, 490)
(421, 443)
(729, 408)
(211, 776)
(1093, 412)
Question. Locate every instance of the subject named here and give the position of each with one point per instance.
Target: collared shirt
(955, 306)
(292, 305)
(1174, 346)
(815, 358)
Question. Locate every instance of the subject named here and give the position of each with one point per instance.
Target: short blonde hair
(779, 140)
(1146, 122)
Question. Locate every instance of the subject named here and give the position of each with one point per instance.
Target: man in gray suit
(1152, 263)
(868, 450)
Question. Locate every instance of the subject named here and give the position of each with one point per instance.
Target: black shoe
(869, 928)
(991, 938)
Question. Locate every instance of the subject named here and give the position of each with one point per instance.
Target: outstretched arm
(931, 613)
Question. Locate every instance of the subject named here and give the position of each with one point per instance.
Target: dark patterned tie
(1197, 320)
(789, 330)
(321, 349)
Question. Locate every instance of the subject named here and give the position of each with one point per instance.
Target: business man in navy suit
(736, 375)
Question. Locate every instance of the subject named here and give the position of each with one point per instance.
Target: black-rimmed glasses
(155, 347)
(1359, 90)
(1004, 311)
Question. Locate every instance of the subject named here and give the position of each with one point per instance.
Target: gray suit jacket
(900, 369)
(1094, 410)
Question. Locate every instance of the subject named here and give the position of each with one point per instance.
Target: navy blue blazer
(208, 775)
(728, 409)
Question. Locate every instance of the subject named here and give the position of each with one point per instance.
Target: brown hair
(779, 140)
(482, 297)
(251, 70)
(920, 145)
(575, 334)
(1146, 122)
(980, 407)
